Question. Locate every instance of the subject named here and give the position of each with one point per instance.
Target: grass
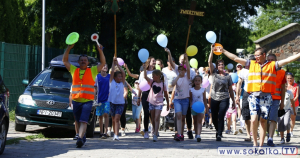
(12, 115)
(28, 138)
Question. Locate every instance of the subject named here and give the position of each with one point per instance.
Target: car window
(54, 78)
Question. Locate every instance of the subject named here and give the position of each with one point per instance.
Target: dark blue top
(102, 88)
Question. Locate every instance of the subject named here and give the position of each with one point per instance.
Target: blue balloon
(198, 107)
(234, 77)
(162, 40)
(143, 55)
(211, 37)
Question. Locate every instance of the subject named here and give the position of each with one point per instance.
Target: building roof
(276, 32)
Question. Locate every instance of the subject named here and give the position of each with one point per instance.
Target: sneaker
(79, 143)
(288, 137)
(109, 133)
(123, 133)
(76, 137)
(190, 134)
(219, 138)
(240, 130)
(181, 138)
(198, 138)
(227, 131)
(101, 135)
(270, 143)
(210, 126)
(137, 130)
(282, 141)
(277, 133)
(146, 135)
(116, 137)
(235, 132)
(177, 137)
(154, 138)
(292, 134)
(104, 136)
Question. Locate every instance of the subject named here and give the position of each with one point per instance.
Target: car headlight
(26, 99)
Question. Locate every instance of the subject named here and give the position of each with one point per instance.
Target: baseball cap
(239, 65)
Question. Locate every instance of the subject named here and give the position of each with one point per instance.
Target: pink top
(293, 88)
(182, 88)
(156, 94)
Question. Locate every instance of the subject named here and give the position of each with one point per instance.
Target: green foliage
(28, 138)
(12, 115)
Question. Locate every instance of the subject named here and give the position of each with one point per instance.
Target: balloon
(218, 49)
(143, 55)
(198, 107)
(162, 40)
(144, 86)
(230, 66)
(205, 83)
(72, 38)
(157, 67)
(164, 111)
(120, 61)
(191, 50)
(194, 63)
(234, 77)
(211, 37)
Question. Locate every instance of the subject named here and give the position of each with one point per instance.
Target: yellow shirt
(81, 73)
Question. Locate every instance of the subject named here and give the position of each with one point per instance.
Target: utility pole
(43, 36)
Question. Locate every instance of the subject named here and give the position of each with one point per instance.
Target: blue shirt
(102, 84)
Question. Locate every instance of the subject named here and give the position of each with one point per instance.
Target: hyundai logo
(51, 102)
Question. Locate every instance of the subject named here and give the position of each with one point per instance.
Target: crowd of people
(265, 96)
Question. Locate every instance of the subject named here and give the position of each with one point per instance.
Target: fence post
(2, 58)
(36, 60)
(26, 61)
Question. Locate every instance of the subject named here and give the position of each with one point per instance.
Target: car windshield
(54, 78)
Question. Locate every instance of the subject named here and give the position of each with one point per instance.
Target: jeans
(136, 111)
(218, 111)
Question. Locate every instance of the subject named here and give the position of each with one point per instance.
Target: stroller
(167, 121)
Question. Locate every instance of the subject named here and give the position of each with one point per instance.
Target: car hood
(40, 93)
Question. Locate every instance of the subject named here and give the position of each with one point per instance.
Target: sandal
(248, 139)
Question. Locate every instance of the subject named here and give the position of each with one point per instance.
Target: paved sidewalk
(132, 145)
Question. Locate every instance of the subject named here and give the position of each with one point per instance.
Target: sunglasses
(289, 73)
(82, 55)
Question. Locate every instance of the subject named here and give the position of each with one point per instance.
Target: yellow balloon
(191, 50)
(194, 63)
(157, 67)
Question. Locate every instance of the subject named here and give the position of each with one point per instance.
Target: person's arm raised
(170, 58)
(288, 60)
(234, 57)
(188, 68)
(112, 69)
(102, 58)
(136, 76)
(66, 57)
(210, 58)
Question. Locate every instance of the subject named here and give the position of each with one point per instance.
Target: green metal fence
(18, 62)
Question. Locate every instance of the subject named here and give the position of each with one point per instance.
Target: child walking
(156, 96)
(198, 94)
(116, 99)
(136, 109)
(181, 99)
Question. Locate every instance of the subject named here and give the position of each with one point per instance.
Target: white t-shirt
(171, 75)
(182, 90)
(287, 100)
(116, 92)
(197, 95)
(244, 75)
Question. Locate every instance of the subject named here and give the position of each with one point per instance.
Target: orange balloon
(218, 49)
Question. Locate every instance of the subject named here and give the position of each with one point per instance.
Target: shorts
(116, 109)
(181, 105)
(260, 105)
(230, 112)
(273, 115)
(245, 107)
(136, 111)
(195, 113)
(103, 109)
(292, 111)
(155, 107)
(284, 121)
(82, 111)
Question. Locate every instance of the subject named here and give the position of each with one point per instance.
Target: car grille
(56, 105)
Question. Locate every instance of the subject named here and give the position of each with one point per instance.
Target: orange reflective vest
(262, 79)
(83, 88)
(279, 77)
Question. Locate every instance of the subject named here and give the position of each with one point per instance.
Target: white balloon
(211, 37)
(230, 66)
(162, 40)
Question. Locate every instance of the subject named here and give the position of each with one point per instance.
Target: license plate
(49, 113)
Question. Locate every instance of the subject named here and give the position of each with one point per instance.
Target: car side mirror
(25, 82)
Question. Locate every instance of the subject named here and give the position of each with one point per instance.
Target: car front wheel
(3, 135)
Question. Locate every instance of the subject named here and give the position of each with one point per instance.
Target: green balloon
(194, 63)
(72, 38)
(157, 67)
